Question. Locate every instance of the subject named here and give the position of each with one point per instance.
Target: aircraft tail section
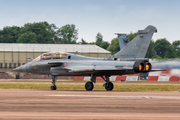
(123, 40)
(138, 47)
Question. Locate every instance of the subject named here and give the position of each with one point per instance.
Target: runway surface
(71, 81)
(47, 104)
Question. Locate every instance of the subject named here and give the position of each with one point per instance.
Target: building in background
(14, 54)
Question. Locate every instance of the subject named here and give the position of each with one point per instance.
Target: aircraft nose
(18, 69)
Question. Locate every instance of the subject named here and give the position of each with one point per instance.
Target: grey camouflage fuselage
(131, 59)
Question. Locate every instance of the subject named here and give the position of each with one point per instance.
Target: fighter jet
(130, 60)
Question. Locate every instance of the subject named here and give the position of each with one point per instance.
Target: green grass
(136, 87)
(80, 86)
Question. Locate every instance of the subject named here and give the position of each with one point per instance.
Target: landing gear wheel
(109, 86)
(53, 87)
(89, 86)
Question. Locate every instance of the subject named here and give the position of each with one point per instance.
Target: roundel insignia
(65, 64)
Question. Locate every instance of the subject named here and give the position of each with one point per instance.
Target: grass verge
(80, 86)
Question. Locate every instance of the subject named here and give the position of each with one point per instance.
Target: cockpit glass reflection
(47, 56)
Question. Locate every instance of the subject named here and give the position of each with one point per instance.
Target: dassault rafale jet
(129, 60)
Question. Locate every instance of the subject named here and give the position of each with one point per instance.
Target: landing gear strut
(108, 85)
(89, 85)
(53, 87)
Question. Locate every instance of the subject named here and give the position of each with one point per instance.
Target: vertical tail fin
(137, 48)
(123, 40)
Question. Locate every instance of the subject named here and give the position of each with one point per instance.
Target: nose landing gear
(53, 87)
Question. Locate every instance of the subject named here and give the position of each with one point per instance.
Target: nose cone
(19, 69)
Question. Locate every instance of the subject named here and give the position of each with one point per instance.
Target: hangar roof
(71, 48)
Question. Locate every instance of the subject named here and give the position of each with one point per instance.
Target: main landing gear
(108, 85)
(53, 87)
(89, 86)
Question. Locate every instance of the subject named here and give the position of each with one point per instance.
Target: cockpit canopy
(47, 56)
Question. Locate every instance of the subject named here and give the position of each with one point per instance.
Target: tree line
(45, 33)
(40, 32)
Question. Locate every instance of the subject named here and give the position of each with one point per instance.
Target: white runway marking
(116, 96)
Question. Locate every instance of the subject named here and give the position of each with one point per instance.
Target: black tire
(109, 86)
(89, 86)
(53, 87)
